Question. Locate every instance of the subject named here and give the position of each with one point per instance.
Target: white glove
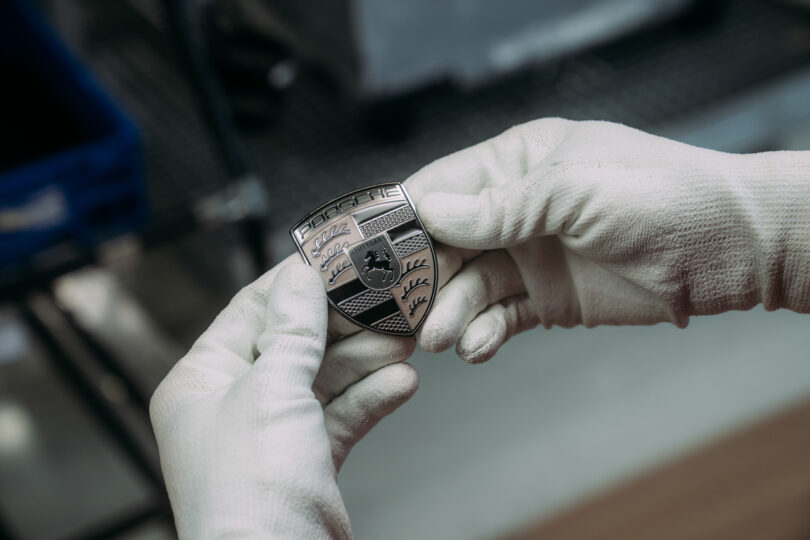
(247, 450)
(597, 223)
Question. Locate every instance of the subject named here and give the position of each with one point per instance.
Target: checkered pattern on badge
(362, 302)
(394, 323)
(386, 221)
(412, 244)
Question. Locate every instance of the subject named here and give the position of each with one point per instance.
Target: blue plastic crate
(70, 159)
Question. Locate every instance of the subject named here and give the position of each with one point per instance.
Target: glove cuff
(784, 266)
(772, 192)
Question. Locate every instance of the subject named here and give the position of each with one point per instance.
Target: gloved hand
(246, 448)
(565, 223)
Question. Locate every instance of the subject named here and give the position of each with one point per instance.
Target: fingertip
(299, 277)
(488, 332)
(434, 338)
(443, 213)
(482, 339)
(357, 410)
(402, 381)
(296, 310)
(297, 285)
(447, 320)
(479, 357)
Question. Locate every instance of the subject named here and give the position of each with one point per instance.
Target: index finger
(496, 161)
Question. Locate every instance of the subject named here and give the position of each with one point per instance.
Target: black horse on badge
(375, 263)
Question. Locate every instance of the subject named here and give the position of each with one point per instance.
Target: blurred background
(154, 153)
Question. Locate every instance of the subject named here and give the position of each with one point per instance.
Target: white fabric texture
(557, 222)
(247, 448)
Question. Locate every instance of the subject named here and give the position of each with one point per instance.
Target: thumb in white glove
(567, 223)
(246, 448)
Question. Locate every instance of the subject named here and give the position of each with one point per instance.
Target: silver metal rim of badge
(375, 258)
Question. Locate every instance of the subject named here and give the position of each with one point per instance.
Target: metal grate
(386, 221)
(412, 244)
(367, 300)
(394, 323)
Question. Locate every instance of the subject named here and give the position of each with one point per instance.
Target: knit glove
(565, 223)
(247, 448)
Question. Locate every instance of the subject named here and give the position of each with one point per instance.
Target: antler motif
(331, 254)
(407, 289)
(412, 266)
(326, 236)
(339, 269)
(415, 304)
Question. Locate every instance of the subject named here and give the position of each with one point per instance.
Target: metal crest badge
(374, 256)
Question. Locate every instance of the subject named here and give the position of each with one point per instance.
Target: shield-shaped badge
(375, 258)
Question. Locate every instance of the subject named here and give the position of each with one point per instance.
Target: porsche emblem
(375, 258)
